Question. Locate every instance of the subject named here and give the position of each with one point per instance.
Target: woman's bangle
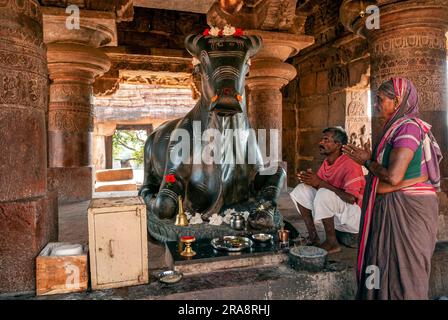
(367, 164)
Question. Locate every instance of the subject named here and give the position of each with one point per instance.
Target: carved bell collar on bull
(224, 59)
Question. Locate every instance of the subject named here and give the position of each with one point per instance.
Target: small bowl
(170, 276)
(262, 237)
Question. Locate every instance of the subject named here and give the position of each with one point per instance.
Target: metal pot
(237, 222)
(308, 258)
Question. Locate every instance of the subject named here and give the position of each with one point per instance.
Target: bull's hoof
(165, 204)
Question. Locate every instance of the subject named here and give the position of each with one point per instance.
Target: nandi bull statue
(210, 187)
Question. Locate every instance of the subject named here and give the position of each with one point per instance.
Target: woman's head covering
(401, 87)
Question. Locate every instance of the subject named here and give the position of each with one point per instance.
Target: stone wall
(332, 81)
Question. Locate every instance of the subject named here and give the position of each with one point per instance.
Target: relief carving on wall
(357, 122)
(338, 77)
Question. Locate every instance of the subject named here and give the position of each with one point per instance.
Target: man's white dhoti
(324, 204)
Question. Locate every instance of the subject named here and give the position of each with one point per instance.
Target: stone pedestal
(28, 214)
(267, 75)
(73, 62)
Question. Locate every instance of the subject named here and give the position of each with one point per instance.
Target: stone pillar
(74, 61)
(101, 133)
(109, 152)
(28, 213)
(267, 75)
(411, 43)
(99, 152)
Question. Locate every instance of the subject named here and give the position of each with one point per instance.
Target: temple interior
(69, 89)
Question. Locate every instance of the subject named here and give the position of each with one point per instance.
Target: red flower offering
(170, 178)
(187, 238)
(238, 32)
(206, 32)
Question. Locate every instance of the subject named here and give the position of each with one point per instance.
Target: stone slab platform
(207, 259)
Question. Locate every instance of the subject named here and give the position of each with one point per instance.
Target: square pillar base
(26, 226)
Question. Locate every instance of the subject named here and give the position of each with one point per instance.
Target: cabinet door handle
(111, 248)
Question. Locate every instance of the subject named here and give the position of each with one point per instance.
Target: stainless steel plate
(231, 243)
(170, 276)
(262, 237)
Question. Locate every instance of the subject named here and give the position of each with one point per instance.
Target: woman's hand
(360, 155)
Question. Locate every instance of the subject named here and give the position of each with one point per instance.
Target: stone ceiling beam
(136, 67)
(122, 10)
(197, 6)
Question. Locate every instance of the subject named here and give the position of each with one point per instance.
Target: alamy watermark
(232, 146)
(373, 20)
(72, 22)
(373, 280)
(73, 274)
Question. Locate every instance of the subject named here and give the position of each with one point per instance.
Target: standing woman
(400, 209)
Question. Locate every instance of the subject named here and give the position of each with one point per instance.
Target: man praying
(333, 195)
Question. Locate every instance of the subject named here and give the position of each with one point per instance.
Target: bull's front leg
(268, 188)
(165, 204)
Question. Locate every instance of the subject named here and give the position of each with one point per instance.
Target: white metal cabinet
(118, 242)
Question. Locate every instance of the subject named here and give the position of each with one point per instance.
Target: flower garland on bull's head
(217, 32)
(215, 46)
(227, 31)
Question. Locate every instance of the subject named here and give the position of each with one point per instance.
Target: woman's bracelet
(367, 164)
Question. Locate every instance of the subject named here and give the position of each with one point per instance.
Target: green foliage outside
(128, 145)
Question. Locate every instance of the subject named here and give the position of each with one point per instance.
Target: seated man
(334, 194)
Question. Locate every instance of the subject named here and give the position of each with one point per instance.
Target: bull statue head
(223, 63)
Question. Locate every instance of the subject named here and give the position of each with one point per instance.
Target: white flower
(228, 30)
(214, 31)
(197, 219)
(215, 220)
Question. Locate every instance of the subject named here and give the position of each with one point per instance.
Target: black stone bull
(208, 188)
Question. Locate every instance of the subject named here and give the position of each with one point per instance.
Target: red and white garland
(227, 31)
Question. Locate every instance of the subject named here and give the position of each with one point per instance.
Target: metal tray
(262, 237)
(231, 243)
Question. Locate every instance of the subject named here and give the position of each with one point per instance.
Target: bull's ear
(254, 44)
(191, 44)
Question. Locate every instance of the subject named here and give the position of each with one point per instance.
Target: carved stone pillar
(268, 74)
(411, 43)
(73, 62)
(28, 213)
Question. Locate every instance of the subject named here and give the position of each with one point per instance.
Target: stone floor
(337, 281)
